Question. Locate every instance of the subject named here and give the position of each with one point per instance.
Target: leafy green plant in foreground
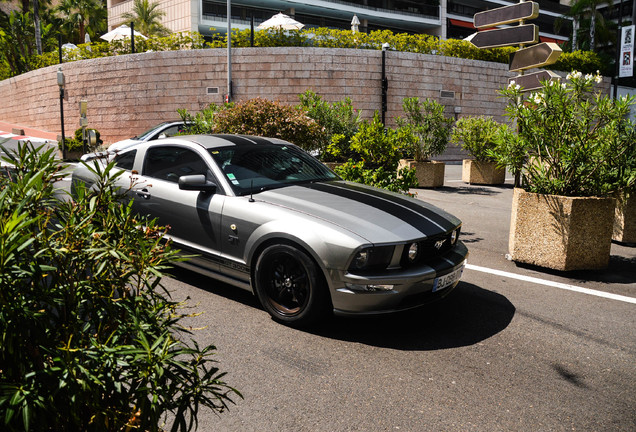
(90, 339)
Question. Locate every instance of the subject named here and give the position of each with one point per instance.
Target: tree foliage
(147, 18)
(91, 341)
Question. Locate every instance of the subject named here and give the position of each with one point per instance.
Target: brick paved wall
(128, 94)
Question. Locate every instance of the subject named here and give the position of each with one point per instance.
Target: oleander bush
(339, 122)
(91, 340)
(378, 153)
(572, 140)
(477, 135)
(427, 122)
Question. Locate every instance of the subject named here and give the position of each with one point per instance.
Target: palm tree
(585, 16)
(147, 18)
(81, 14)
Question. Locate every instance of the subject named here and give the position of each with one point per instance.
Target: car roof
(225, 140)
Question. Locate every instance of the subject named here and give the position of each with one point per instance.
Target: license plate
(447, 280)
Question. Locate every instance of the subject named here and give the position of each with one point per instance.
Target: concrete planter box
(625, 220)
(429, 174)
(561, 233)
(480, 172)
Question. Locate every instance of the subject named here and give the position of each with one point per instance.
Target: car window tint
(171, 162)
(125, 160)
(171, 131)
(253, 168)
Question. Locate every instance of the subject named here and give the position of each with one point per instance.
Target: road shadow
(621, 270)
(472, 190)
(467, 316)
(214, 286)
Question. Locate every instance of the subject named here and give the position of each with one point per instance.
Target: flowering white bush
(571, 139)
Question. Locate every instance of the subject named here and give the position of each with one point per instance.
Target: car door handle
(143, 193)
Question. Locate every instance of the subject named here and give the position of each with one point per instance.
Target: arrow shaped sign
(536, 56)
(523, 34)
(506, 15)
(533, 81)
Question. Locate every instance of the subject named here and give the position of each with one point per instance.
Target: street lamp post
(60, 83)
(229, 51)
(385, 82)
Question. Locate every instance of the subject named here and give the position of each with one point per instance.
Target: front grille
(430, 247)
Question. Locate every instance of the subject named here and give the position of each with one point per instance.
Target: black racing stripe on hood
(430, 214)
(417, 217)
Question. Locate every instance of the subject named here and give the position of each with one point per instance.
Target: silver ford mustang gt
(263, 215)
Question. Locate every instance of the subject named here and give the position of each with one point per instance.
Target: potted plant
(432, 129)
(478, 135)
(575, 140)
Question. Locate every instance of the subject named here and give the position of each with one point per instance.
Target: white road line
(553, 284)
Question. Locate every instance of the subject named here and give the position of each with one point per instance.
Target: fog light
(413, 252)
(368, 288)
(454, 236)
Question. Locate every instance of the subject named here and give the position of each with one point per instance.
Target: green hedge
(585, 61)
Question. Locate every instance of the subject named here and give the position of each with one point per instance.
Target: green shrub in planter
(339, 121)
(577, 144)
(427, 122)
(379, 151)
(572, 140)
(477, 135)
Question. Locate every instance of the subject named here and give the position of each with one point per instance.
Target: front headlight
(372, 258)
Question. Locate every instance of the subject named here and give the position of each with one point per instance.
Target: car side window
(171, 131)
(171, 162)
(125, 160)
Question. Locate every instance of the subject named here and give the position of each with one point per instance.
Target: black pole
(59, 46)
(252, 30)
(132, 36)
(618, 49)
(385, 86)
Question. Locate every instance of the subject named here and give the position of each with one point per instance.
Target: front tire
(289, 285)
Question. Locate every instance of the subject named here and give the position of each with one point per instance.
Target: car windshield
(150, 131)
(254, 168)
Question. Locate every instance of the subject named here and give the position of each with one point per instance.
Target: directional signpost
(506, 15)
(523, 34)
(535, 56)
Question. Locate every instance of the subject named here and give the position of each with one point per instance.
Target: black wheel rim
(287, 283)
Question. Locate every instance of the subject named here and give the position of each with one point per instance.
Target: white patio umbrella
(281, 21)
(355, 23)
(121, 32)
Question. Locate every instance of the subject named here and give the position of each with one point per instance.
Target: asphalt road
(499, 354)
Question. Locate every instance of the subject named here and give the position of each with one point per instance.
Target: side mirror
(162, 135)
(196, 182)
(91, 137)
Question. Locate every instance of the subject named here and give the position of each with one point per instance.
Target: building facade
(442, 18)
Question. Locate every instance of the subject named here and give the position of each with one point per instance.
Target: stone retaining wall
(128, 94)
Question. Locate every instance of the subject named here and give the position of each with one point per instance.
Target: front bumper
(410, 289)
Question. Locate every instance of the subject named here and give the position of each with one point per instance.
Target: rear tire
(289, 285)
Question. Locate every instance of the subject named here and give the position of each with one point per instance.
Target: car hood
(120, 145)
(377, 215)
